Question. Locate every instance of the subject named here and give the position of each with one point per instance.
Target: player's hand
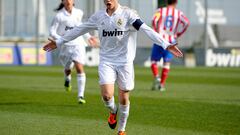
(50, 45)
(93, 42)
(175, 50)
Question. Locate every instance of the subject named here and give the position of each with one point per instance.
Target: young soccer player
(117, 28)
(73, 52)
(171, 23)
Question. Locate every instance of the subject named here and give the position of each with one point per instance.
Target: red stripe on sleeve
(175, 33)
(185, 24)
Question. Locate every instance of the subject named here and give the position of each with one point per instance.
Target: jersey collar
(67, 13)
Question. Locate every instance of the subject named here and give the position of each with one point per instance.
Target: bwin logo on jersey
(112, 33)
(68, 28)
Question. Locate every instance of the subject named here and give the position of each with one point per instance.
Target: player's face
(111, 4)
(68, 4)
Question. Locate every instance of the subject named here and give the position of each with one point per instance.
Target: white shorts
(68, 54)
(122, 74)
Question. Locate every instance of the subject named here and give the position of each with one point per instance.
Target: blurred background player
(67, 18)
(171, 23)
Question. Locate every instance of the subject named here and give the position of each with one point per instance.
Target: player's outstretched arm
(155, 37)
(50, 45)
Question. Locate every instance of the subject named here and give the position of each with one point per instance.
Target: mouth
(109, 4)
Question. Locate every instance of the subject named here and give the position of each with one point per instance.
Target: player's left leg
(156, 55)
(125, 81)
(81, 81)
(165, 71)
(167, 58)
(124, 106)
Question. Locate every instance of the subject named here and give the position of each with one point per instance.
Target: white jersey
(117, 34)
(118, 38)
(64, 21)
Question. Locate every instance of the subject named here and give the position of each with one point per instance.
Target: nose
(68, 1)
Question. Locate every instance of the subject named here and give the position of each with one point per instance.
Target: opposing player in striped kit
(171, 23)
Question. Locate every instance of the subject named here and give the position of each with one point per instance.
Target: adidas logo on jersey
(111, 33)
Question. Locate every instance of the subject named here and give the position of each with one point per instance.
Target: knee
(106, 97)
(124, 100)
(67, 71)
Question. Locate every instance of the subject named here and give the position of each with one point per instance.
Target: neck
(111, 11)
(172, 5)
(69, 10)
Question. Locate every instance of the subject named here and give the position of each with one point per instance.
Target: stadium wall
(25, 54)
(19, 20)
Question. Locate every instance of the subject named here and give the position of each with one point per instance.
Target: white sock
(111, 105)
(123, 116)
(67, 77)
(81, 81)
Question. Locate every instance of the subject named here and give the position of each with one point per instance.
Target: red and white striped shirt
(170, 22)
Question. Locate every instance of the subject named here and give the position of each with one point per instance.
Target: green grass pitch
(198, 101)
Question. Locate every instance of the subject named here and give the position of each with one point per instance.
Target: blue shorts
(158, 52)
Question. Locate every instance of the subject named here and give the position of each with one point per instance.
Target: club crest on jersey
(119, 22)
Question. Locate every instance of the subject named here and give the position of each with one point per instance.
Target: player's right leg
(156, 81)
(121, 133)
(107, 77)
(68, 77)
(107, 91)
(65, 60)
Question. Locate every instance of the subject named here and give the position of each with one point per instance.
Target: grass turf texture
(198, 101)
